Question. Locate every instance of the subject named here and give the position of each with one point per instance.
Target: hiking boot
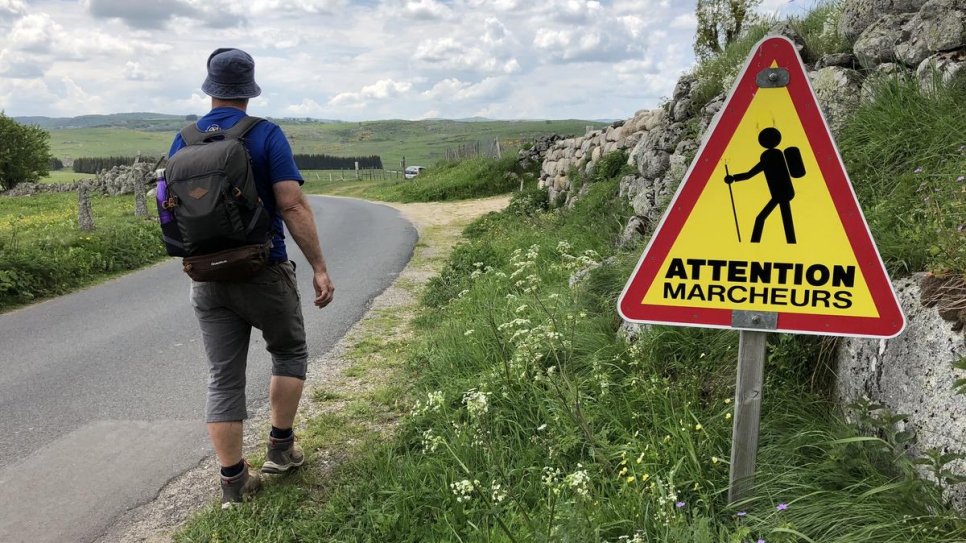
(240, 487)
(283, 455)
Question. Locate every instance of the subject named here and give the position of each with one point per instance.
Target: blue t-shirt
(272, 161)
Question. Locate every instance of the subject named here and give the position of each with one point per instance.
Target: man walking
(269, 301)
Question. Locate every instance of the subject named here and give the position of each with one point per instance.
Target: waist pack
(210, 211)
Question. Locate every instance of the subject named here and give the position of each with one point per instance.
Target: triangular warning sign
(765, 231)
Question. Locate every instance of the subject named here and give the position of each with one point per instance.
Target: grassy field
(44, 254)
(422, 143)
(66, 175)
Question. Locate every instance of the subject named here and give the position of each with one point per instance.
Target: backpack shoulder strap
(192, 135)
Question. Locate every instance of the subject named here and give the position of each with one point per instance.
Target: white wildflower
(463, 490)
(477, 403)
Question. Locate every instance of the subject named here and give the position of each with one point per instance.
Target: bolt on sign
(765, 231)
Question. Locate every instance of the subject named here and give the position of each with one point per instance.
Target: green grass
(906, 156)
(473, 178)
(66, 176)
(43, 254)
(97, 142)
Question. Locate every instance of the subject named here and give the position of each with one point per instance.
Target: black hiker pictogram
(779, 168)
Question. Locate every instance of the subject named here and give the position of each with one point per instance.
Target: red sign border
(891, 320)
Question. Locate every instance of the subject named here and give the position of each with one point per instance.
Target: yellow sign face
(799, 260)
(766, 221)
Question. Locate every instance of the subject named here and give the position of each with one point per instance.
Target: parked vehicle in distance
(413, 171)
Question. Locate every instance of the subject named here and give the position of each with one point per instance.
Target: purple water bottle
(164, 214)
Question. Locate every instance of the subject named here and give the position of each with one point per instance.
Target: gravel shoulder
(439, 226)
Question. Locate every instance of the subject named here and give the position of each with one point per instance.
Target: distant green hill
(124, 120)
(420, 142)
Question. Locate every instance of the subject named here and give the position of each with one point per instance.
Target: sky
(351, 60)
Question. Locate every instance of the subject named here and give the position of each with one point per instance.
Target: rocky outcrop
(913, 374)
(858, 15)
(925, 37)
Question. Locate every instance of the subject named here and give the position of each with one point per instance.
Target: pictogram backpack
(210, 210)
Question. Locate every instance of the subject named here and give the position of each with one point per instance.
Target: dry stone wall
(911, 374)
(117, 181)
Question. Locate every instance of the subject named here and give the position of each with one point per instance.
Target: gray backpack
(219, 224)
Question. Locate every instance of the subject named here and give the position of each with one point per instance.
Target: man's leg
(227, 440)
(284, 333)
(284, 394)
(226, 336)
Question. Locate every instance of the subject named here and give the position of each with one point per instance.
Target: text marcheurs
(782, 283)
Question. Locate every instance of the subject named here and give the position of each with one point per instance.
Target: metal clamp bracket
(754, 320)
(772, 78)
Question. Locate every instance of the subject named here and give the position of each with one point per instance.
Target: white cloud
(450, 90)
(381, 90)
(198, 103)
(12, 9)
(345, 59)
(685, 21)
(262, 7)
(276, 38)
(490, 53)
(571, 11)
(425, 10)
(34, 33)
(134, 72)
(307, 108)
(16, 64)
(139, 14)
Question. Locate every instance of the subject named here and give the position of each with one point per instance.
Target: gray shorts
(227, 312)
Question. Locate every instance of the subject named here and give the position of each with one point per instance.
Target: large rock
(858, 15)
(878, 43)
(912, 374)
(914, 50)
(838, 91)
(941, 25)
(939, 70)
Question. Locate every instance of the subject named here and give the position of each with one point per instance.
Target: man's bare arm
(297, 214)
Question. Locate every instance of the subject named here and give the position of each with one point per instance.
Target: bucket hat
(231, 75)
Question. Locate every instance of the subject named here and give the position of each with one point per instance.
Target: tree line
(328, 162)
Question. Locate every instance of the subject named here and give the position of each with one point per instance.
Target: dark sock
(232, 471)
(279, 433)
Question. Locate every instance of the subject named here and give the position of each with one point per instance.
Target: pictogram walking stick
(733, 210)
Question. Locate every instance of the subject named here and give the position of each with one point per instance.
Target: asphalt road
(102, 392)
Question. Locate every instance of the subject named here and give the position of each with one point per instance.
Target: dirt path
(439, 226)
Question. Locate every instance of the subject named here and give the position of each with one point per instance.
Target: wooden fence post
(748, 393)
(85, 216)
